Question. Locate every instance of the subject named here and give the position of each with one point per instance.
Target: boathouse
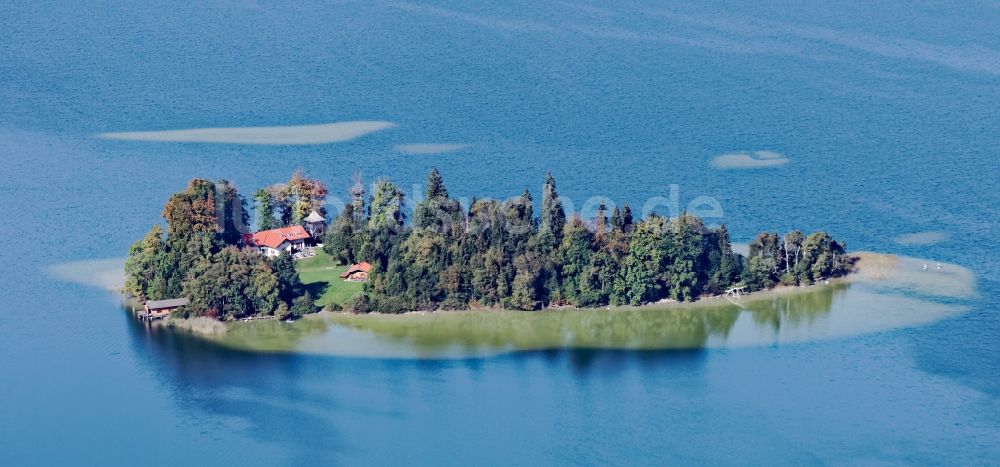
(156, 309)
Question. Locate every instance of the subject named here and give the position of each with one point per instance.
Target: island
(379, 256)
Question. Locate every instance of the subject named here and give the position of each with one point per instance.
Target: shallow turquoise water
(888, 114)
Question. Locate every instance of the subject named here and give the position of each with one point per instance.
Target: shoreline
(892, 291)
(865, 257)
(869, 267)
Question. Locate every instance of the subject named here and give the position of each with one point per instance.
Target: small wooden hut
(156, 309)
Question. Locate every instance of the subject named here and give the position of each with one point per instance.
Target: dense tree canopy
(488, 254)
(288, 203)
(201, 257)
(497, 254)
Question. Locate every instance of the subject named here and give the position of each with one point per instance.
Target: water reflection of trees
(795, 308)
(459, 333)
(595, 329)
(683, 327)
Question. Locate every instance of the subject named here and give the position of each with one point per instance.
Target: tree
(757, 275)
(822, 257)
(206, 208)
(452, 282)
(234, 220)
(357, 193)
(386, 207)
(340, 240)
(303, 305)
(724, 263)
(767, 246)
(488, 276)
(600, 221)
(191, 211)
(616, 220)
(289, 283)
(144, 278)
(574, 257)
(306, 195)
(644, 262)
(282, 312)
(519, 223)
(598, 281)
(435, 186)
(236, 288)
(283, 203)
(437, 211)
(298, 198)
(553, 216)
(204, 288)
(265, 289)
(265, 209)
(525, 293)
(791, 249)
(424, 254)
(687, 253)
(627, 218)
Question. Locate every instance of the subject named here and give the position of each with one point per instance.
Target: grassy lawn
(322, 279)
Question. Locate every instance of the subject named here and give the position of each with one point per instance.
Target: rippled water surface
(883, 118)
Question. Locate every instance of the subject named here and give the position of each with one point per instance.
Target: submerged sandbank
(932, 237)
(300, 134)
(749, 160)
(107, 274)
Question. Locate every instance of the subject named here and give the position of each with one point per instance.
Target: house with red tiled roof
(276, 241)
(357, 272)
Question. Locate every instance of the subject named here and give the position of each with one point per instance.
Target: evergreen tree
(688, 248)
(616, 220)
(435, 186)
(437, 211)
(726, 272)
(265, 209)
(553, 216)
(627, 218)
(525, 291)
(386, 207)
(644, 263)
(233, 218)
(289, 284)
(519, 223)
(575, 254)
(357, 193)
(600, 221)
(339, 241)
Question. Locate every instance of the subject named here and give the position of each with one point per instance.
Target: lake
(876, 122)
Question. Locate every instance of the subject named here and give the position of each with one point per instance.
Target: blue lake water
(888, 114)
